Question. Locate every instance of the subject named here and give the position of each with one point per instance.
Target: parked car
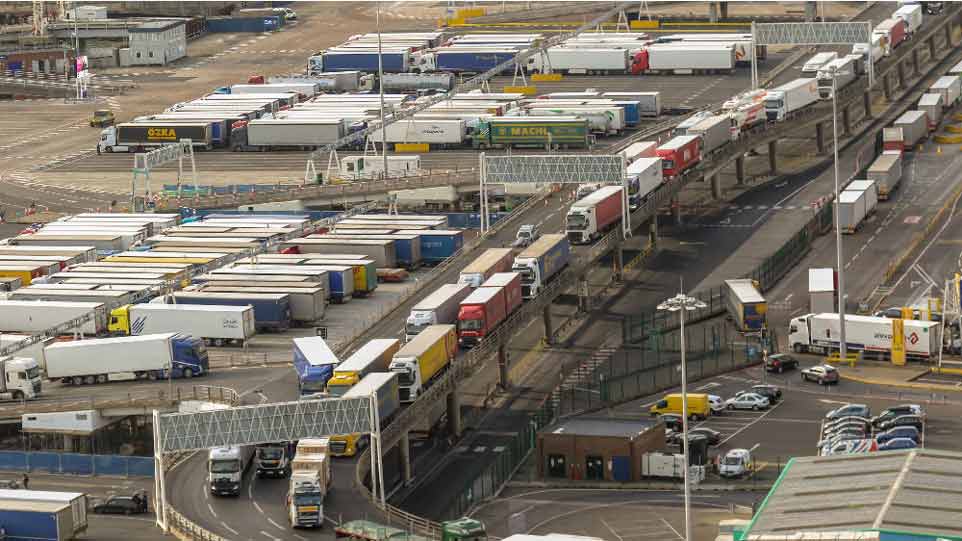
(899, 432)
(672, 421)
(851, 446)
(526, 235)
(124, 505)
(713, 436)
(773, 393)
(849, 410)
(9, 484)
(748, 401)
(853, 426)
(822, 373)
(897, 443)
(780, 362)
(716, 403)
(848, 420)
(897, 411)
(831, 442)
(902, 420)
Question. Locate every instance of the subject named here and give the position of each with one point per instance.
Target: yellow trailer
(423, 359)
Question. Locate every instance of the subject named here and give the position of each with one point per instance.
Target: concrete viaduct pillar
(932, 47)
(723, 10)
(583, 294)
(948, 35)
(915, 61)
(676, 210)
(548, 332)
(653, 231)
(901, 72)
(887, 87)
(772, 159)
(619, 261)
(404, 446)
(846, 120)
(820, 137)
(716, 187)
(503, 367)
(867, 103)
(740, 169)
(713, 12)
(454, 415)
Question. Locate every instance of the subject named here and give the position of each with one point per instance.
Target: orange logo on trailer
(162, 133)
(914, 338)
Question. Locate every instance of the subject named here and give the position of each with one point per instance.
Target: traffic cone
(938, 150)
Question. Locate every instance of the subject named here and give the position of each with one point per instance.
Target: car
(9, 484)
(845, 429)
(848, 410)
(672, 421)
(747, 401)
(898, 443)
(850, 446)
(895, 312)
(527, 234)
(848, 420)
(123, 505)
(101, 118)
(896, 411)
(773, 393)
(780, 362)
(836, 439)
(713, 436)
(902, 420)
(716, 403)
(899, 432)
(767, 393)
(823, 374)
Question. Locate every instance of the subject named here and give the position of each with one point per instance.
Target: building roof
(156, 26)
(600, 426)
(916, 492)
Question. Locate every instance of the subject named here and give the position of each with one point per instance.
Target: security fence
(77, 464)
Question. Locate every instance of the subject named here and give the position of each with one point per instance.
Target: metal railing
(145, 400)
(185, 528)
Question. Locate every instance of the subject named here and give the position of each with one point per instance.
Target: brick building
(600, 449)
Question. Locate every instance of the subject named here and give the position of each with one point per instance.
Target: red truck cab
(679, 154)
(480, 313)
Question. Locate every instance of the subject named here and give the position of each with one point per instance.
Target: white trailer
(932, 105)
(817, 62)
(433, 132)
(912, 15)
(110, 299)
(641, 149)
(871, 193)
(594, 61)
(851, 210)
(649, 103)
(836, 75)
(149, 356)
(886, 171)
(821, 290)
(491, 261)
(217, 325)
(36, 316)
(950, 86)
(285, 132)
(819, 333)
(790, 97)
(715, 132)
(644, 177)
(688, 58)
(877, 46)
(439, 308)
(307, 89)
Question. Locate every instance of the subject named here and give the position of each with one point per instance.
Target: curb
(901, 384)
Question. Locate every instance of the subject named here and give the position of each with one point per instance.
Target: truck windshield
(307, 499)
(667, 164)
(773, 104)
(270, 453)
(224, 466)
(576, 221)
(731, 461)
(414, 328)
(33, 373)
(404, 376)
(526, 275)
(471, 324)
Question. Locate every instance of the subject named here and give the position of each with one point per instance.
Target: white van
(736, 463)
(818, 61)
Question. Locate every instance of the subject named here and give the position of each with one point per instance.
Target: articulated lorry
(138, 136)
(491, 261)
(272, 311)
(383, 385)
(148, 356)
(438, 308)
(488, 306)
(226, 467)
(373, 357)
(217, 325)
(819, 333)
(272, 460)
(782, 101)
(314, 363)
(21, 379)
(886, 171)
(746, 305)
(541, 262)
(423, 359)
(592, 216)
(309, 483)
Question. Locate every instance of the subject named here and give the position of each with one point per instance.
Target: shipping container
(950, 87)
(437, 244)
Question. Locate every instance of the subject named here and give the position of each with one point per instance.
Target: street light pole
(843, 348)
(682, 303)
(380, 85)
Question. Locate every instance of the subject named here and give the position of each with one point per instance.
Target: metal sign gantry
(812, 34)
(145, 161)
(554, 169)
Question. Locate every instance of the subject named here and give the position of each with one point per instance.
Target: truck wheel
(207, 342)
(219, 342)
(102, 378)
(152, 376)
(90, 380)
(17, 395)
(77, 380)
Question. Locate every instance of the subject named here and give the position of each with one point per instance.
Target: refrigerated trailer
(790, 97)
(746, 305)
(886, 171)
(438, 308)
(217, 325)
(595, 214)
(685, 58)
(819, 333)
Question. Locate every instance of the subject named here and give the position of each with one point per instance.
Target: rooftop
(600, 426)
(156, 26)
(907, 492)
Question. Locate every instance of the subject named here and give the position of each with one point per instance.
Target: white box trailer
(439, 308)
(715, 132)
(649, 103)
(663, 465)
(912, 15)
(784, 100)
(433, 132)
(110, 299)
(819, 333)
(933, 106)
(285, 132)
(381, 251)
(688, 58)
(821, 290)
(886, 171)
(907, 131)
(217, 325)
(817, 62)
(950, 87)
(871, 193)
(100, 360)
(594, 61)
(35, 316)
(307, 89)
(851, 210)
(644, 177)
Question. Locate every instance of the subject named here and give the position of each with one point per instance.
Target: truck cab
(108, 141)
(190, 357)
(424, 63)
(21, 378)
(305, 500)
(579, 224)
(271, 460)
(119, 324)
(463, 529)
(799, 333)
(417, 321)
(225, 469)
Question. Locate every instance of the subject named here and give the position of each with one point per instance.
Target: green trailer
(532, 132)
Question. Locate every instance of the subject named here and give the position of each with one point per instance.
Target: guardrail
(144, 399)
(184, 528)
(57, 80)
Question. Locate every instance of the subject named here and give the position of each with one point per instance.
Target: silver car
(748, 401)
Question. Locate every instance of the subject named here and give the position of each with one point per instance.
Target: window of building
(150, 54)
(557, 466)
(594, 468)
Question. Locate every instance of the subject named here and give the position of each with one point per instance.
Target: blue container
(437, 244)
(632, 110)
(339, 61)
(473, 61)
(26, 525)
(314, 363)
(243, 24)
(404, 252)
(272, 311)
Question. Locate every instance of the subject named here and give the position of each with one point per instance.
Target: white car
(747, 401)
(716, 403)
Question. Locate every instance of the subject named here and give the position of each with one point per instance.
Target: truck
(464, 59)
(272, 460)
(34, 317)
(21, 378)
(417, 82)
(440, 307)
(394, 60)
(886, 171)
(906, 132)
(226, 467)
(138, 136)
(314, 362)
(950, 87)
(591, 217)
(871, 193)
(385, 386)
(305, 497)
(374, 356)
(644, 177)
(878, 47)
(685, 59)
(932, 105)
(593, 61)
(437, 132)
(531, 131)
(715, 132)
(487, 307)
(784, 100)
(912, 15)
(822, 285)
(272, 311)
(42, 515)
(819, 333)
(491, 261)
(148, 356)
(746, 305)
(266, 134)
(835, 75)
(541, 262)
(852, 209)
(817, 62)
(893, 30)
(679, 154)
(216, 325)
(423, 359)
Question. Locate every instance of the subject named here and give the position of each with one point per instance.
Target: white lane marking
(301, 537)
(276, 524)
(259, 510)
(742, 429)
(211, 507)
(612, 530)
(672, 528)
(228, 528)
(270, 536)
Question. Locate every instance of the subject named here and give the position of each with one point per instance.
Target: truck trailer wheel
(102, 378)
(90, 380)
(17, 395)
(77, 380)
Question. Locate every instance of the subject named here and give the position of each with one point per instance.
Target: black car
(773, 393)
(902, 420)
(896, 411)
(123, 505)
(780, 362)
(672, 421)
(713, 436)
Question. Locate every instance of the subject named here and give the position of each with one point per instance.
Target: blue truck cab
(314, 363)
(189, 352)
